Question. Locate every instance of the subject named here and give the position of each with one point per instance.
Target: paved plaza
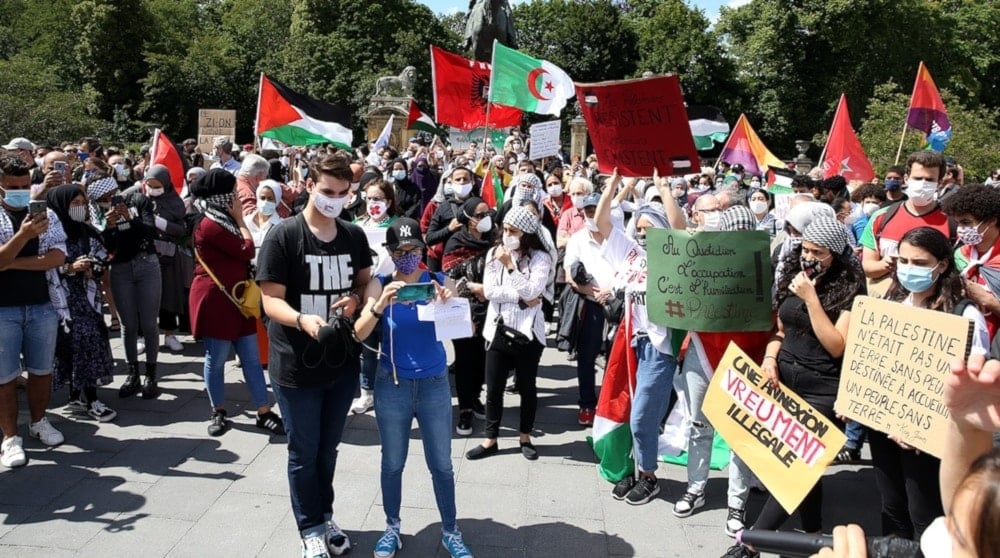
(153, 483)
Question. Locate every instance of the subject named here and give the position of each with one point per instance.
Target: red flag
(844, 154)
(461, 87)
(492, 188)
(164, 152)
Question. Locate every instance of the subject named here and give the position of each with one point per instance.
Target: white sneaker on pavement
(173, 343)
(11, 453)
(364, 403)
(44, 431)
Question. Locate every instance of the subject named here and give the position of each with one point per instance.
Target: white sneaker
(364, 403)
(140, 347)
(45, 432)
(337, 541)
(101, 412)
(11, 453)
(172, 343)
(314, 547)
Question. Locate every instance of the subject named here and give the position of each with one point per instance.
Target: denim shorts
(28, 331)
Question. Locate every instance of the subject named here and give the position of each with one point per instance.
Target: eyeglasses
(415, 251)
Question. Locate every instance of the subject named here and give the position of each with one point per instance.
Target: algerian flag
(527, 83)
(294, 119)
(708, 126)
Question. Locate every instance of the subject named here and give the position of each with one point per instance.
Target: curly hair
(978, 200)
(836, 287)
(948, 289)
(868, 191)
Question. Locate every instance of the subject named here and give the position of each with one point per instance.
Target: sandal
(115, 325)
(271, 422)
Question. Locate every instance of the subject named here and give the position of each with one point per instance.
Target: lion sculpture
(401, 85)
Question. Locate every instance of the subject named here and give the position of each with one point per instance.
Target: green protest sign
(709, 281)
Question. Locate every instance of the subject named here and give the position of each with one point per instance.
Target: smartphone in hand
(35, 208)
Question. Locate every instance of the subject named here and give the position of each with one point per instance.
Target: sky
(710, 7)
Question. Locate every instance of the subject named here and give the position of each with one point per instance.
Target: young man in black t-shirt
(310, 267)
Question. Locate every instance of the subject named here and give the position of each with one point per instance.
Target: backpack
(879, 226)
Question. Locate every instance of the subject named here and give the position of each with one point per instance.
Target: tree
(34, 104)
(587, 38)
(974, 144)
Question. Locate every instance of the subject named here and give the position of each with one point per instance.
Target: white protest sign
(544, 139)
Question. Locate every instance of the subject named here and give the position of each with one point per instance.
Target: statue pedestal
(578, 138)
(380, 108)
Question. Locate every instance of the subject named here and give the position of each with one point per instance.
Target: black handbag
(509, 340)
(614, 308)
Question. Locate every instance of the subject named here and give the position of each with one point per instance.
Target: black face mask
(812, 268)
(641, 240)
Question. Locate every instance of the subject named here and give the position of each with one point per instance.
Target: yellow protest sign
(895, 364)
(783, 440)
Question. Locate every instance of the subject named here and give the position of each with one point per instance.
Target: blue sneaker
(388, 544)
(454, 544)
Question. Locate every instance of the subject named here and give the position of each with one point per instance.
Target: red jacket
(228, 256)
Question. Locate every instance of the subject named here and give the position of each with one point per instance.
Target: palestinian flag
(612, 438)
(420, 120)
(294, 119)
(492, 187)
(708, 126)
(779, 180)
(527, 83)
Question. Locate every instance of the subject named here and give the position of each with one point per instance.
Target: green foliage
(974, 144)
(34, 104)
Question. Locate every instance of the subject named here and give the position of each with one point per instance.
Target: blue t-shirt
(409, 342)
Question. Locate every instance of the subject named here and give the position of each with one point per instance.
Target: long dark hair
(836, 287)
(983, 482)
(948, 289)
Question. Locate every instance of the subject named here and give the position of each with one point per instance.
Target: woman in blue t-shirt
(411, 381)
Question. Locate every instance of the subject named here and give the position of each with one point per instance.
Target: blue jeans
(369, 358)
(588, 345)
(314, 420)
(216, 353)
(654, 380)
(855, 435)
(136, 285)
(429, 400)
(29, 331)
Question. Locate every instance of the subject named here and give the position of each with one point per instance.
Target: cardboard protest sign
(895, 364)
(780, 437)
(638, 125)
(213, 123)
(709, 281)
(544, 139)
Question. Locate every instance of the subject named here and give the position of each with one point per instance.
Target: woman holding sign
(814, 298)
(926, 277)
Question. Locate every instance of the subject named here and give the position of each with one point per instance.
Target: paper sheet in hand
(452, 318)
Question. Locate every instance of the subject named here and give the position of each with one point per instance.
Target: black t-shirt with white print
(315, 274)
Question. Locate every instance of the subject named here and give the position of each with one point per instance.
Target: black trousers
(909, 485)
(498, 367)
(470, 369)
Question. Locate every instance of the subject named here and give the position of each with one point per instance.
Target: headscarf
(100, 188)
(525, 221)
(276, 171)
(168, 205)
(802, 215)
(425, 179)
(463, 245)
(828, 233)
(522, 218)
(738, 218)
(275, 188)
(214, 197)
(162, 174)
(520, 194)
(59, 200)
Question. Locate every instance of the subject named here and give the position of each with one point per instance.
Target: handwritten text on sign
(786, 442)
(213, 123)
(895, 364)
(638, 125)
(709, 281)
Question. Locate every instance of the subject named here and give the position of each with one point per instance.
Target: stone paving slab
(153, 483)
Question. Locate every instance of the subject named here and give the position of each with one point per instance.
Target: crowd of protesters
(99, 241)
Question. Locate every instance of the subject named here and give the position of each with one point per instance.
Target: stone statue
(488, 20)
(400, 86)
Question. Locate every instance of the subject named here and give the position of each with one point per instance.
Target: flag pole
(836, 113)
(906, 122)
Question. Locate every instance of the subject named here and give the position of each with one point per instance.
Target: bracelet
(374, 313)
(298, 321)
(775, 359)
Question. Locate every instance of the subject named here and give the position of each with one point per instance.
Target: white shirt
(505, 289)
(583, 248)
(258, 233)
(626, 256)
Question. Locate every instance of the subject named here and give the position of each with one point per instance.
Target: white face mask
(485, 224)
(921, 192)
(328, 207)
(462, 190)
(758, 207)
(869, 208)
(154, 192)
(577, 201)
(711, 220)
(511, 243)
(398, 175)
(78, 213)
(267, 207)
(376, 209)
(555, 190)
(591, 224)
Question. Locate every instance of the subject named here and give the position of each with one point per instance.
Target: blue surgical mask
(268, 207)
(893, 184)
(914, 278)
(17, 199)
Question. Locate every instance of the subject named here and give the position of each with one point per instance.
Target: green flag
(527, 83)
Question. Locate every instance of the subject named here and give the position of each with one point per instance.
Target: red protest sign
(639, 124)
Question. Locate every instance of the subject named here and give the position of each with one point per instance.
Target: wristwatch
(374, 313)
